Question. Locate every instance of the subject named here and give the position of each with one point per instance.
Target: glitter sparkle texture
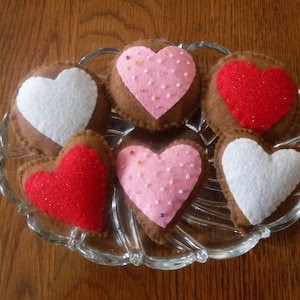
(257, 99)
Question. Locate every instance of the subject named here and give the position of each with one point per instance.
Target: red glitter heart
(75, 192)
(257, 99)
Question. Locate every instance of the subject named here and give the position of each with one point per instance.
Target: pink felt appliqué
(157, 80)
(257, 99)
(75, 192)
(158, 184)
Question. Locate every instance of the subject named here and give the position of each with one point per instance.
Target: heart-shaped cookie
(76, 186)
(255, 177)
(158, 186)
(159, 80)
(258, 99)
(252, 91)
(56, 101)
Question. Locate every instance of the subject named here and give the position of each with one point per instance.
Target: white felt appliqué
(58, 107)
(259, 182)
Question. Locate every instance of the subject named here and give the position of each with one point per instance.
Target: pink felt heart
(157, 80)
(158, 184)
(75, 192)
(257, 99)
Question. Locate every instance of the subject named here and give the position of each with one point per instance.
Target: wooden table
(36, 32)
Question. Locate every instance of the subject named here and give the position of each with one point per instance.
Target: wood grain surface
(40, 31)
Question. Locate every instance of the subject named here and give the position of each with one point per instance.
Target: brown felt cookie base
(218, 115)
(95, 142)
(128, 107)
(238, 218)
(38, 143)
(155, 232)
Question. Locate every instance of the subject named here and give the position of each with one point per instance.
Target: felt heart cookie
(159, 185)
(255, 178)
(76, 186)
(258, 99)
(56, 101)
(252, 91)
(159, 80)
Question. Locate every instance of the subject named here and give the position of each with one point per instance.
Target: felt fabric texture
(258, 99)
(159, 184)
(58, 107)
(123, 100)
(75, 191)
(259, 181)
(157, 80)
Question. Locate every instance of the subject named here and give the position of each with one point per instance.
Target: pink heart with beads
(159, 183)
(157, 80)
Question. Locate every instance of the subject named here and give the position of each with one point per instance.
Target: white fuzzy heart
(259, 181)
(58, 107)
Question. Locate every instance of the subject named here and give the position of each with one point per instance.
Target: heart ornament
(74, 187)
(159, 185)
(157, 80)
(255, 177)
(256, 98)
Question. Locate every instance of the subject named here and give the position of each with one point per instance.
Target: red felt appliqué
(257, 99)
(75, 192)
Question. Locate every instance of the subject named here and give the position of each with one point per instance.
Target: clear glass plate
(204, 231)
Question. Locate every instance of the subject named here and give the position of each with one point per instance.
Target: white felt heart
(259, 181)
(158, 184)
(58, 107)
(157, 80)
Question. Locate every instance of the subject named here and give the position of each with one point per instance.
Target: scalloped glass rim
(126, 243)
